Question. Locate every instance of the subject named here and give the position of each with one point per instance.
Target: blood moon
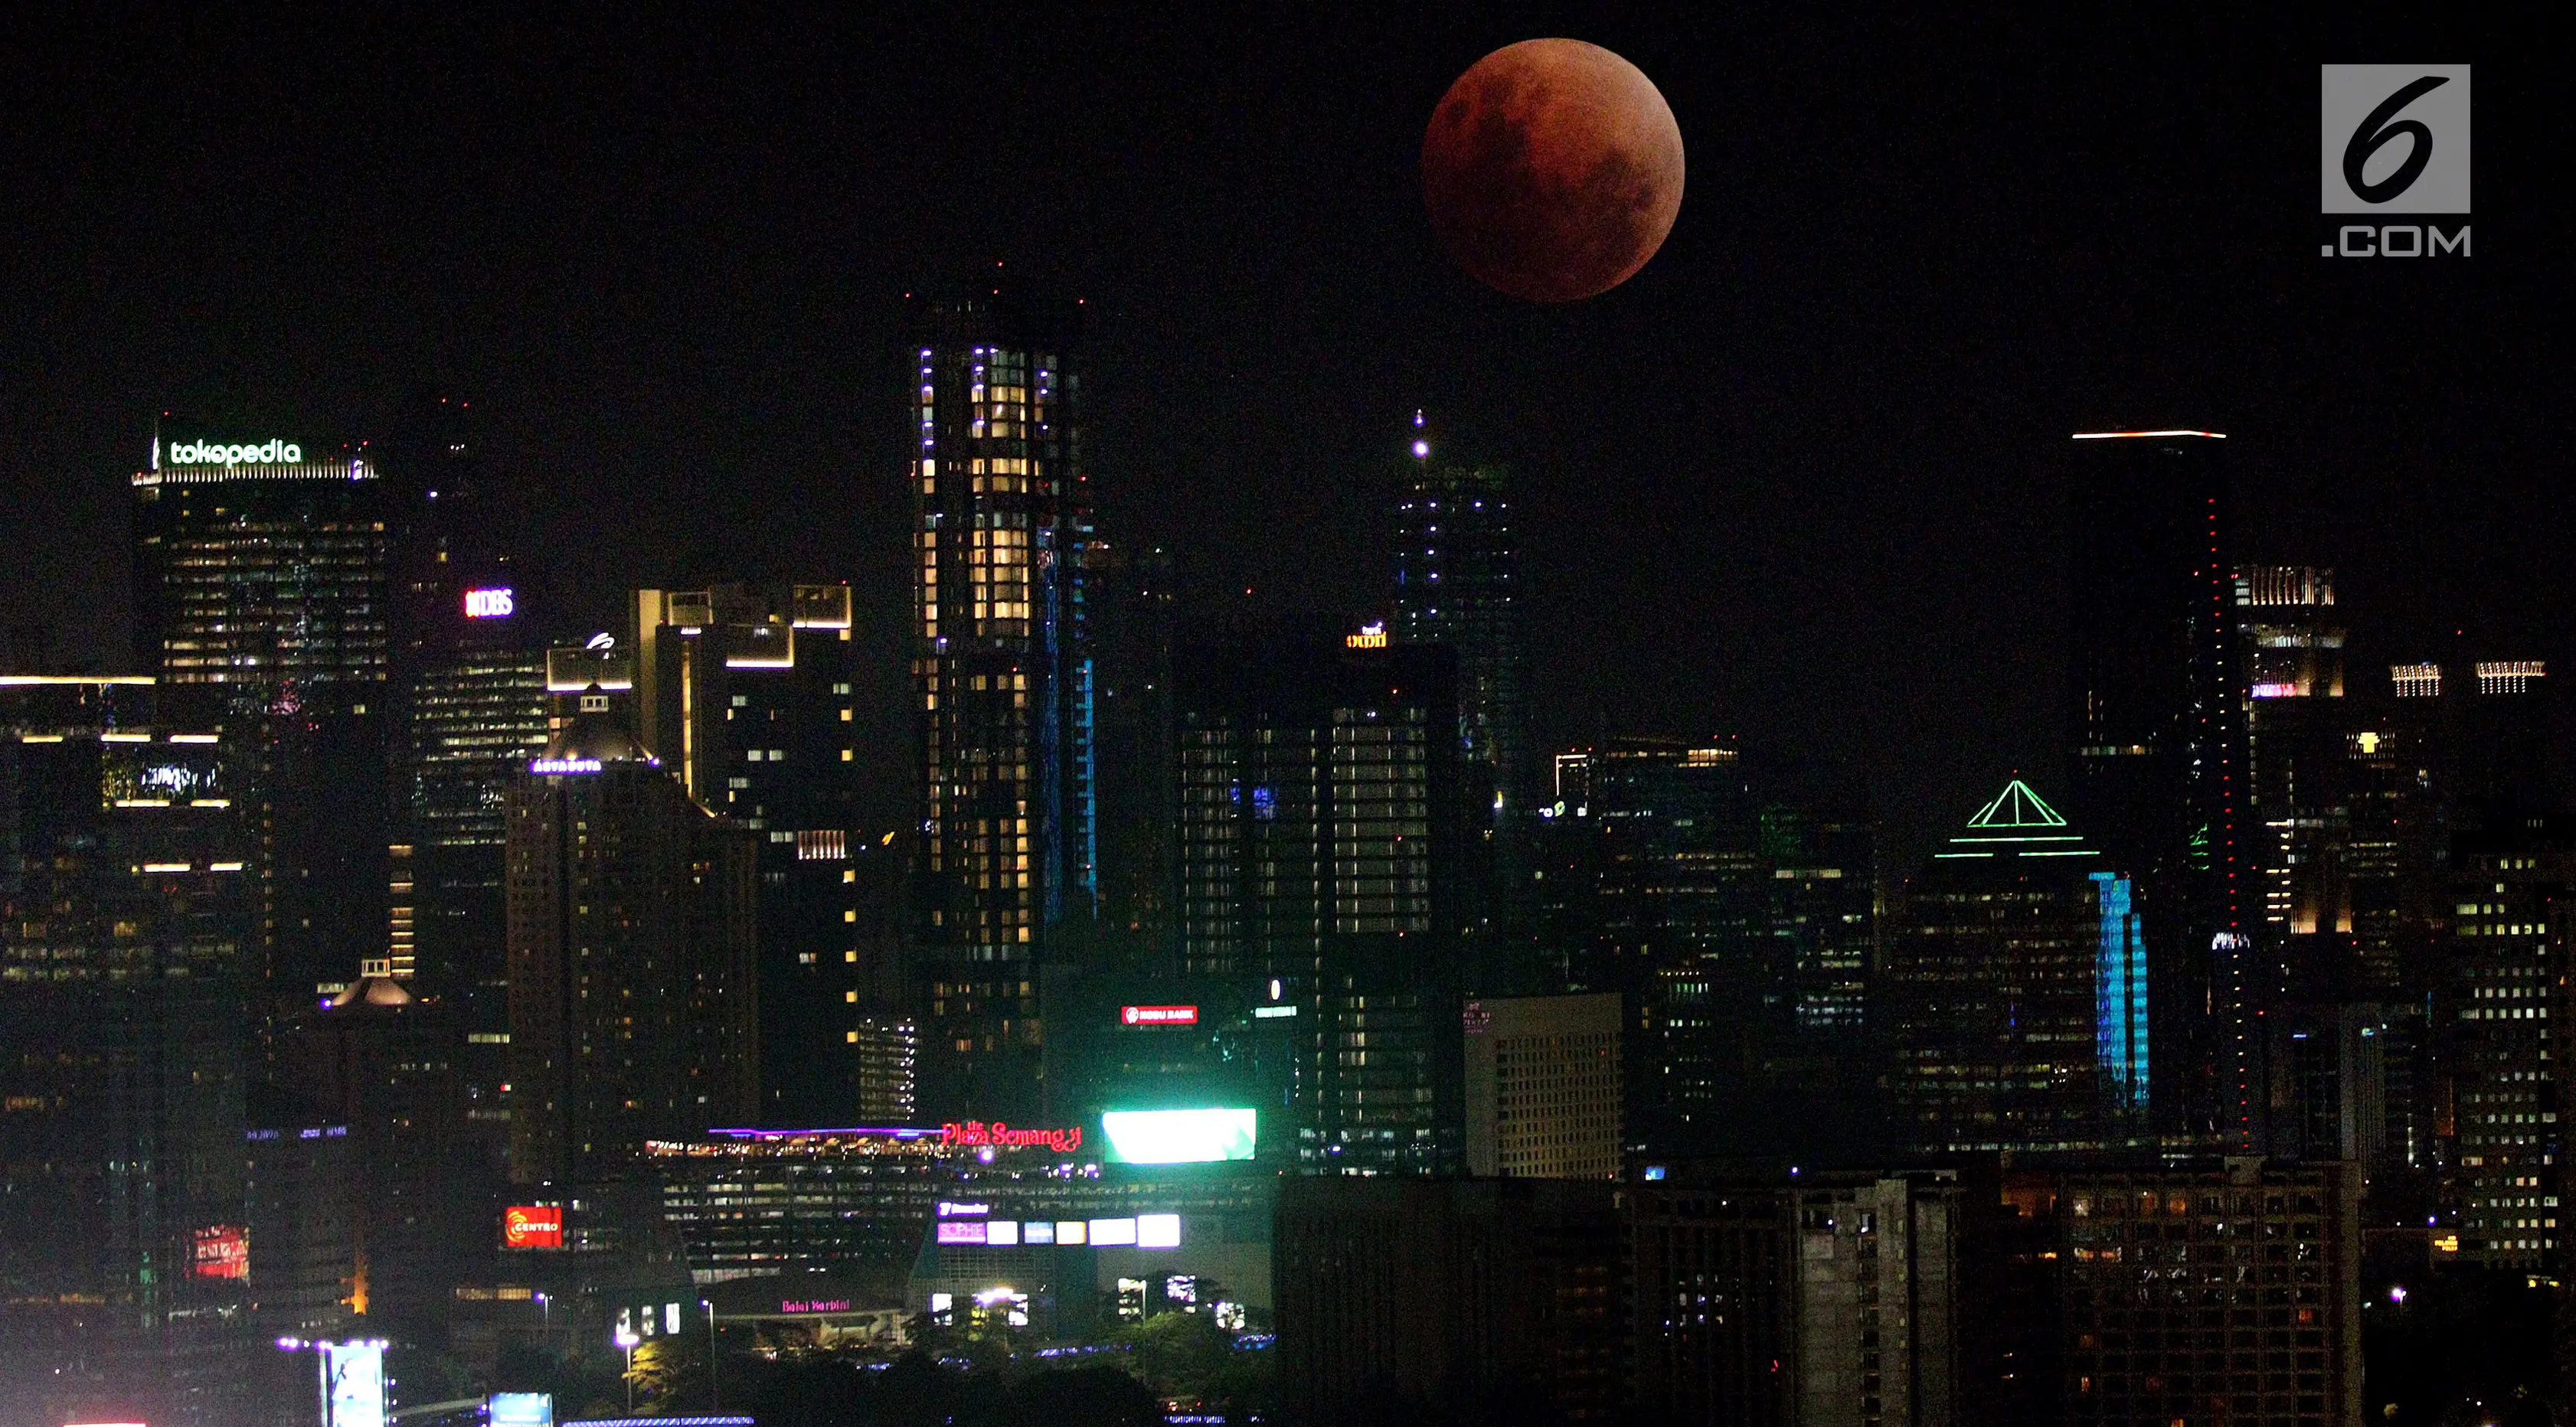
(1552, 169)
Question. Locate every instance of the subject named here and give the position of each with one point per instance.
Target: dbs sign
(532, 1226)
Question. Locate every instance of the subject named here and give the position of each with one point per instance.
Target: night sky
(1798, 481)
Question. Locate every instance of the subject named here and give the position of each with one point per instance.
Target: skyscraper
(2017, 986)
(1007, 871)
(1320, 837)
(1543, 1097)
(744, 693)
(125, 927)
(260, 585)
(2511, 879)
(2156, 706)
(633, 990)
(1456, 583)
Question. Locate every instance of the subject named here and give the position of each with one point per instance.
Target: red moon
(1552, 169)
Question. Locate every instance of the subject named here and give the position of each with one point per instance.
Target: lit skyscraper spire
(1456, 583)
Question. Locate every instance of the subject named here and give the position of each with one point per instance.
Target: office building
(260, 587)
(1543, 1093)
(2511, 878)
(1824, 916)
(2297, 755)
(1466, 1296)
(2212, 1292)
(633, 992)
(1456, 583)
(305, 1278)
(2155, 702)
(1136, 599)
(383, 1065)
(1320, 838)
(1007, 861)
(1847, 1297)
(2017, 991)
(126, 920)
(744, 693)
(1728, 927)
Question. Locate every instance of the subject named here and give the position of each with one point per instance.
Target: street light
(715, 1386)
(626, 1339)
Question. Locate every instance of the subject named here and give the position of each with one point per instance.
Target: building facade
(2158, 770)
(1543, 1093)
(261, 590)
(745, 695)
(2018, 992)
(634, 997)
(1456, 583)
(1007, 858)
(126, 971)
(1320, 841)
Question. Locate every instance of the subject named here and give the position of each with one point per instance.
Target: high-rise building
(1136, 598)
(744, 693)
(1456, 583)
(1007, 855)
(2297, 753)
(2193, 1292)
(1543, 1095)
(633, 989)
(2154, 699)
(1661, 893)
(382, 1065)
(260, 586)
(1844, 1297)
(2510, 878)
(2017, 990)
(1824, 916)
(125, 944)
(1320, 837)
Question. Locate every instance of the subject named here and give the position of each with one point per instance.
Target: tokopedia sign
(217, 453)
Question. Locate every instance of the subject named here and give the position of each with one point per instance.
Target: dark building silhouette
(1483, 1297)
(2159, 765)
(744, 693)
(633, 980)
(1007, 859)
(383, 1066)
(126, 916)
(1740, 934)
(2017, 988)
(1320, 841)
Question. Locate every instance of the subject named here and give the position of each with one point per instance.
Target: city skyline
(1822, 491)
(863, 718)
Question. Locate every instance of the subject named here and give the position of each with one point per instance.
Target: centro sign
(216, 453)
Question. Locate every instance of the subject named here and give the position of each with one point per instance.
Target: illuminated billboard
(1158, 1015)
(532, 1226)
(490, 604)
(353, 1377)
(136, 773)
(520, 1409)
(220, 1251)
(1178, 1136)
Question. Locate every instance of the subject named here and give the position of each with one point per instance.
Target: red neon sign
(532, 1226)
(1159, 1015)
(997, 1135)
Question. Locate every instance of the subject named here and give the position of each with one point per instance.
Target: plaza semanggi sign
(976, 1134)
